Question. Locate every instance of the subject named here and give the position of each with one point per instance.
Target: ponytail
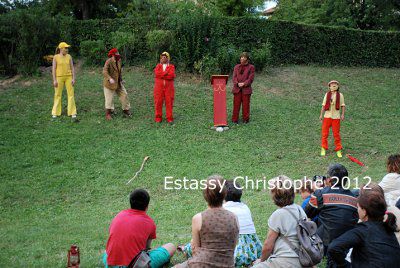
(389, 221)
(57, 51)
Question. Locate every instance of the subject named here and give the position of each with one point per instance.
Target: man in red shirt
(132, 231)
(164, 91)
(243, 76)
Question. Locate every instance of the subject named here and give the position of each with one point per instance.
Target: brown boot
(127, 114)
(108, 115)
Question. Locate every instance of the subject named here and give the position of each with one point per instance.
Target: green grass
(62, 183)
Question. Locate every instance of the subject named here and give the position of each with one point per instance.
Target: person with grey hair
(335, 207)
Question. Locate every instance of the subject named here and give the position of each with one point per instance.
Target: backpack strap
(291, 213)
(287, 241)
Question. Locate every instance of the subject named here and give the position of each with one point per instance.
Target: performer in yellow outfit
(63, 75)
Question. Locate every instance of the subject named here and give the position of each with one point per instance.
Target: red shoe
(108, 115)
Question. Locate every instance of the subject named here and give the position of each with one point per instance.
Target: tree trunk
(85, 10)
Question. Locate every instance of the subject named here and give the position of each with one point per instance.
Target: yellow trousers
(67, 82)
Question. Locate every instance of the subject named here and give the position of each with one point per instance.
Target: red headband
(112, 52)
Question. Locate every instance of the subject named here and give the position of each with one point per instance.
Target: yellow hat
(165, 53)
(63, 45)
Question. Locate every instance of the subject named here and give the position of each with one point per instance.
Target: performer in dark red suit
(164, 90)
(243, 76)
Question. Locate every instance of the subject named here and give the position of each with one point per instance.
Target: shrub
(158, 41)
(93, 51)
(227, 57)
(126, 43)
(207, 66)
(26, 36)
(261, 57)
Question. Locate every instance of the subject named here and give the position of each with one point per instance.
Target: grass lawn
(62, 183)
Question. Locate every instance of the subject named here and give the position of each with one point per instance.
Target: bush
(289, 42)
(261, 57)
(158, 41)
(227, 57)
(93, 51)
(26, 36)
(207, 66)
(126, 43)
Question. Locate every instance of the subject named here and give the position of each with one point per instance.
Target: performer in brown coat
(113, 83)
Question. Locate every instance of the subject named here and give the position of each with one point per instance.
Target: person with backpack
(373, 240)
(131, 232)
(282, 224)
(335, 207)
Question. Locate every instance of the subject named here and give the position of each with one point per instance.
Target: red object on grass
(219, 85)
(73, 257)
(355, 160)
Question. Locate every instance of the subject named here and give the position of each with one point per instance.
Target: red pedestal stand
(219, 85)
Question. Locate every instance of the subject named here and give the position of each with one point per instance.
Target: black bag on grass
(141, 260)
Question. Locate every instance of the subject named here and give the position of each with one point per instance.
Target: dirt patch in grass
(7, 82)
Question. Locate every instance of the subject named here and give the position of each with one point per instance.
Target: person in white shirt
(391, 182)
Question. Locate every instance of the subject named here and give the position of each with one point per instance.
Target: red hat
(112, 52)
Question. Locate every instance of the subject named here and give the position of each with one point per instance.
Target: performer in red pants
(243, 76)
(331, 117)
(164, 90)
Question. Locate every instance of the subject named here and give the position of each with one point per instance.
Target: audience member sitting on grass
(249, 246)
(373, 241)
(215, 231)
(282, 223)
(336, 207)
(319, 182)
(395, 210)
(391, 182)
(132, 231)
(305, 190)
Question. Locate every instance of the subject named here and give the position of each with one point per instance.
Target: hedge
(24, 40)
(291, 43)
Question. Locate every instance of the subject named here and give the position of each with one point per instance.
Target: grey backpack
(311, 249)
(141, 260)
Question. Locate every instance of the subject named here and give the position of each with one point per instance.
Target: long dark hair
(393, 163)
(373, 201)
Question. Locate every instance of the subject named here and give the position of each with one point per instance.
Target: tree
(237, 7)
(87, 9)
(79, 9)
(361, 14)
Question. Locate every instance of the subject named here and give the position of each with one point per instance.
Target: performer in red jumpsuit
(164, 90)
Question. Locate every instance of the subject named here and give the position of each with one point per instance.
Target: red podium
(219, 85)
